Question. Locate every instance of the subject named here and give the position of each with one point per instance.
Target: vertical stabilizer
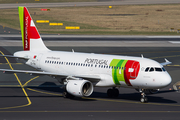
(31, 38)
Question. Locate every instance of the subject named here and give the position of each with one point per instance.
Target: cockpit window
(163, 69)
(158, 69)
(151, 70)
(146, 70)
(154, 69)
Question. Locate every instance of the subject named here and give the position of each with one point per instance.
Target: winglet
(166, 62)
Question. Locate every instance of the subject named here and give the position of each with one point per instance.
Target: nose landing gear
(143, 97)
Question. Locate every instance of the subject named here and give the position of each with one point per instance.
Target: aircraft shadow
(53, 88)
(135, 97)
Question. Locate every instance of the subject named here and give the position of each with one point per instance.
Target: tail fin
(31, 38)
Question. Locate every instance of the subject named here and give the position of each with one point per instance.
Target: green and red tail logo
(124, 70)
(28, 28)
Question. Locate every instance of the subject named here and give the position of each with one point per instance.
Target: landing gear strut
(113, 93)
(66, 94)
(143, 97)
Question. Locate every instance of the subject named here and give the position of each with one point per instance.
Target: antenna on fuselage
(142, 56)
(73, 50)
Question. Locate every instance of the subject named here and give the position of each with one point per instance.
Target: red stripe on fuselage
(128, 73)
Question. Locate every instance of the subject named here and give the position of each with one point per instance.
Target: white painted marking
(175, 42)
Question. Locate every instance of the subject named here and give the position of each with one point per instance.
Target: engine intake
(79, 88)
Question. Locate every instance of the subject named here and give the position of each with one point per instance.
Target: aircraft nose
(166, 80)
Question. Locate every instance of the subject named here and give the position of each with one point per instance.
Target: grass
(42, 1)
(120, 20)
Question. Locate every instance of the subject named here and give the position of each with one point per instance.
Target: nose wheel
(143, 97)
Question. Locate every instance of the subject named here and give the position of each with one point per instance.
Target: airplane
(79, 72)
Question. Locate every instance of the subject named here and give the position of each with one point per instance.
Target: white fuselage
(113, 70)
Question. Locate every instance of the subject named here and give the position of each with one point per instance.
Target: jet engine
(79, 88)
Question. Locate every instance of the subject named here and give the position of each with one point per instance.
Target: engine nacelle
(79, 88)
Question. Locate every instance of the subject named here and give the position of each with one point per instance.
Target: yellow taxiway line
(25, 93)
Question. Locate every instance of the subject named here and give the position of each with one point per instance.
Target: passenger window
(151, 70)
(146, 70)
(158, 69)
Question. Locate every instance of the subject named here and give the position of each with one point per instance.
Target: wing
(92, 78)
(166, 62)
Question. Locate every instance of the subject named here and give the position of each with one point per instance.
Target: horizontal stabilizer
(11, 56)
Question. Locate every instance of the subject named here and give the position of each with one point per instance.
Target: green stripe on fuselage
(21, 19)
(118, 74)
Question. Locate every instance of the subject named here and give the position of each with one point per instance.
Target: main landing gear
(66, 94)
(143, 97)
(113, 93)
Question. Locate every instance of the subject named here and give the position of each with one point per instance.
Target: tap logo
(124, 70)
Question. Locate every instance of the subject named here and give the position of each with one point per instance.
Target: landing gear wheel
(110, 93)
(67, 95)
(144, 100)
(113, 93)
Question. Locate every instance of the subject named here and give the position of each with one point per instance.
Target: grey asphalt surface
(97, 41)
(46, 101)
(104, 3)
